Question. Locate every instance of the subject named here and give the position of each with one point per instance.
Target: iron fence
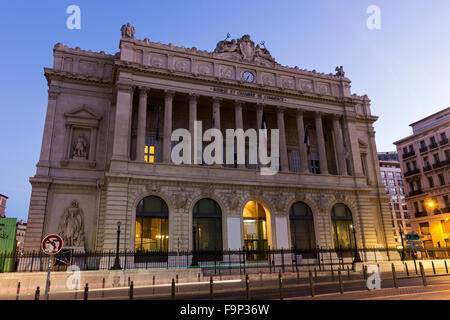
(218, 262)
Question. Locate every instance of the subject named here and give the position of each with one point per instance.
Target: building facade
(21, 230)
(3, 199)
(106, 153)
(392, 178)
(425, 162)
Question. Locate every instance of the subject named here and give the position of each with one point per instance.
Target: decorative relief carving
(180, 199)
(268, 80)
(324, 88)
(288, 83)
(232, 200)
(226, 72)
(307, 86)
(205, 69)
(243, 49)
(158, 61)
(154, 187)
(181, 65)
(71, 226)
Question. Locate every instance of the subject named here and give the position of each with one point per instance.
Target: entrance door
(255, 231)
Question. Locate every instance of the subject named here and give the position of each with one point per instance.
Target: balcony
(420, 214)
(412, 172)
(423, 149)
(408, 154)
(428, 167)
(440, 164)
(415, 193)
(432, 146)
(443, 142)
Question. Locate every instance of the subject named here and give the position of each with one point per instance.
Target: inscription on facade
(247, 94)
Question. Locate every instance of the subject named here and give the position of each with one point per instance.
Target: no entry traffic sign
(52, 244)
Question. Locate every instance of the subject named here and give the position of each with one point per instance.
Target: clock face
(247, 76)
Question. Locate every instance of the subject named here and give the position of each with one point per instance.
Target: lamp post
(116, 265)
(403, 245)
(194, 248)
(357, 258)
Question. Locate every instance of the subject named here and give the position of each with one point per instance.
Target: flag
(263, 125)
(308, 145)
(345, 149)
(157, 124)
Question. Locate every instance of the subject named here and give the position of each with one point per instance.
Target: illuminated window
(149, 154)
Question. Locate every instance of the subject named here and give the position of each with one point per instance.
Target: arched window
(342, 222)
(207, 225)
(152, 220)
(302, 227)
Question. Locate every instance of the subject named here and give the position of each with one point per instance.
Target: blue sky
(404, 68)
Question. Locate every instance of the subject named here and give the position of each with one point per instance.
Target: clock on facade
(247, 76)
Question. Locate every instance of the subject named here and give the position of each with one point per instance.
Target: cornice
(51, 74)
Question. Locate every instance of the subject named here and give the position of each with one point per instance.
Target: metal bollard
(103, 287)
(131, 290)
(434, 269)
(315, 275)
(407, 269)
(394, 277)
(364, 272)
(18, 291)
(332, 274)
(341, 286)
(260, 277)
(211, 288)
(311, 284)
(76, 290)
(129, 281)
(348, 273)
(36, 294)
(298, 275)
(415, 265)
(153, 284)
(173, 289)
(198, 277)
(247, 286)
(176, 277)
(422, 273)
(86, 291)
(280, 283)
(446, 268)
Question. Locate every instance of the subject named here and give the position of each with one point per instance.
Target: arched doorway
(303, 237)
(256, 219)
(207, 229)
(152, 225)
(342, 223)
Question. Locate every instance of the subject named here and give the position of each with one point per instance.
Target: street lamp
(194, 248)
(403, 245)
(116, 265)
(357, 258)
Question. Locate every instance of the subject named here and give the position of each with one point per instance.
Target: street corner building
(106, 153)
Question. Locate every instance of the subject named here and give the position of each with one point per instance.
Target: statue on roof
(127, 31)
(340, 71)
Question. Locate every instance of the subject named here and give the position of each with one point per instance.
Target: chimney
(3, 199)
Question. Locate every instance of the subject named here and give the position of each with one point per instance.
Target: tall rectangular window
(295, 161)
(150, 150)
(314, 163)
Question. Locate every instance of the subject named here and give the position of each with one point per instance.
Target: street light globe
(118, 223)
(431, 204)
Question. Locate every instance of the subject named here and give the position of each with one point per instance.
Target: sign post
(51, 245)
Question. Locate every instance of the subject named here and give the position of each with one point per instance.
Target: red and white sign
(52, 244)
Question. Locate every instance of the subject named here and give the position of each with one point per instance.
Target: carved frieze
(71, 226)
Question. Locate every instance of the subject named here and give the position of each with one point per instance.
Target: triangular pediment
(83, 113)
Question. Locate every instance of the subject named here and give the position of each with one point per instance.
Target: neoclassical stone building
(107, 143)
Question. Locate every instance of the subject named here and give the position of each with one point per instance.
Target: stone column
(304, 168)
(216, 112)
(339, 145)
(283, 148)
(259, 114)
(193, 100)
(122, 126)
(321, 144)
(142, 123)
(239, 123)
(168, 99)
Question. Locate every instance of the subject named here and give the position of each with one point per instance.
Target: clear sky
(404, 67)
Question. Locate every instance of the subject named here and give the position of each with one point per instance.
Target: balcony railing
(408, 154)
(440, 164)
(433, 146)
(412, 172)
(420, 214)
(415, 193)
(423, 149)
(443, 142)
(428, 167)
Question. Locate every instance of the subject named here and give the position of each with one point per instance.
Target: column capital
(144, 90)
(169, 94)
(300, 112)
(217, 99)
(337, 116)
(193, 97)
(318, 114)
(125, 86)
(239, 102)
(281, 109)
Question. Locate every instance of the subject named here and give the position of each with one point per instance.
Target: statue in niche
(340, 71)
(127, 31)
(71, 226)
(80, 148)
